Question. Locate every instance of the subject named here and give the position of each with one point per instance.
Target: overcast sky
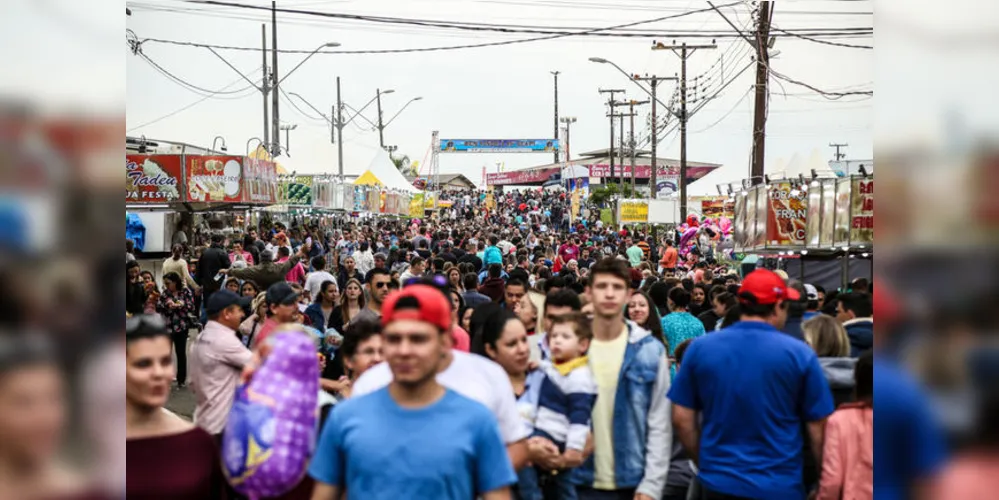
(494, 92)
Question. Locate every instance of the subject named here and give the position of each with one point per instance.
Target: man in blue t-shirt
(754, 389)
(414, 438)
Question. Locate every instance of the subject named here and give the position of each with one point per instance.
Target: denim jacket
(642, 428)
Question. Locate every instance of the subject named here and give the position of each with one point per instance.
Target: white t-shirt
(470, 375)
(315, 280)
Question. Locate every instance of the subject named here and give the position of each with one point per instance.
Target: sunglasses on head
(141, 322)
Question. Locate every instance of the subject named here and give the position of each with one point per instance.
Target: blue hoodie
(861, 333)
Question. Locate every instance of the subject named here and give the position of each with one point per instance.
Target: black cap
(222, 299)
(281, 293)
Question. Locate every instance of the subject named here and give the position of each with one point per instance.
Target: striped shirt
(565, 403)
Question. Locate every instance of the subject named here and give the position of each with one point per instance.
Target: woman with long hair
(351, 304)
(643, 312)
(176, 306)
(454, 279)
(460, 337)
(167, 456)
(249, 289)
(499, 335)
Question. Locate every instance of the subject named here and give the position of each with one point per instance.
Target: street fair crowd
(515, 348)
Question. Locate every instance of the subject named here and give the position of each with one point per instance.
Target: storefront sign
(296, 191)
(841, 230)
(214, 179)
(498, 145)
(787, 213)
(862, 212)
(720, 206)
(259, 181)
(416, 206)
(645, 171)
(153, 178)
(518, 177)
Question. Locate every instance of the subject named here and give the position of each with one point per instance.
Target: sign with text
(787, 213)
(862, 212)
(416, 206)
(633, 211)
(498, 145)
(517, 177)
(645, 171)
(153, 178)
(259, 181)
(214, 179)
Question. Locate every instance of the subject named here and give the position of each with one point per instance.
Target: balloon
(715, 232)
(271, 432)
(686, 238)
(692, 220)
(725, 224)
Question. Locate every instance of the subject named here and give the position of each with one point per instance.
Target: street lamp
(314, 52)
(251, 139)
(215, 140)
(601, 60)
(381, 126)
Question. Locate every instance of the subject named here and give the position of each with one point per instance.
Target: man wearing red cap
(414, 438)
(752, 387)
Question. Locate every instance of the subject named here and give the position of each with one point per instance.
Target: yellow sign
(416, 206)
(634, 212)
(575, 205)
(490, 201)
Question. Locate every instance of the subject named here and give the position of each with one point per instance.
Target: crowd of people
(506, 352)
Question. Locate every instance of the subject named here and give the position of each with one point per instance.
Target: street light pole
(381, 135)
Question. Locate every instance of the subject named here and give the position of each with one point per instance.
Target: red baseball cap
(767, 287)
(418, 302)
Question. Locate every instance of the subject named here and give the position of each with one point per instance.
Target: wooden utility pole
(762, 77)
(275, 119)
(556, 73)
(685, 51)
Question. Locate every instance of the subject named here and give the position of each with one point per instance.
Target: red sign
(214, 179)
(259, 181)
(645, 171)
(521, 176)
(153, 178)
(786, 215)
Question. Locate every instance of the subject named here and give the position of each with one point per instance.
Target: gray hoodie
(839, 374)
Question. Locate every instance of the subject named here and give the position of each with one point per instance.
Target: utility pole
(568, 121)
(762, 77)
(276, 121)
(263, 84)
(631, 140)
(610, 105)
(839, 156)
(556, 73)
(339, 129)
(685, 52)
(654, 175)
(381, 128)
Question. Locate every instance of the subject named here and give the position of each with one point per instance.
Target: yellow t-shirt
(606, 358)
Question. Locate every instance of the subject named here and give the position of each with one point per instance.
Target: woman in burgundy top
(167, 457)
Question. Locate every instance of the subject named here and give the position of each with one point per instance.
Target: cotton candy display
(271, 431)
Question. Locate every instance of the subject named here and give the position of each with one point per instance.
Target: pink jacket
(848, 454)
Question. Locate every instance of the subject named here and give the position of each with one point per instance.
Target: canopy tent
(382, 172)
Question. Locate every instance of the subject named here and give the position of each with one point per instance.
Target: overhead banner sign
(153, 178)
(498, 145)
(214, 178)
(517, 177)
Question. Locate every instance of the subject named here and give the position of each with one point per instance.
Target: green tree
(404, 165)
(604, 194)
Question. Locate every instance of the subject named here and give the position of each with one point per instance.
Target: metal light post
(382, 126)
(378, 96)
(568, 121)
(215, 140)
(287, 138)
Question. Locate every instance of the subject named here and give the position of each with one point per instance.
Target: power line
(823, 93)
(825, 42)
(726, 115)
(180, 110)
(473, 26)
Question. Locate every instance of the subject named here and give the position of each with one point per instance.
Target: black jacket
(211, 262)
(474, 259)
